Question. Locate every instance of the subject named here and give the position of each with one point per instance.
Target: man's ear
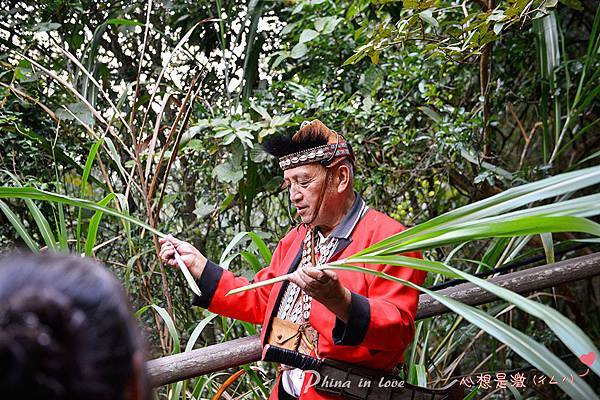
(344, 176)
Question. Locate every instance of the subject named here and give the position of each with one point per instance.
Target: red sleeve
(383, 317)
(215, 282)
(392, 308)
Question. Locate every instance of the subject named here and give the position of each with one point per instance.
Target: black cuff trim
(354, 331)
(207, 283)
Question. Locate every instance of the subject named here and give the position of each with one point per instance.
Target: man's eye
(304, 184)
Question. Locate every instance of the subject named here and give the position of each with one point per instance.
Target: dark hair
(283, 145)
(66, 329)
(311, 134)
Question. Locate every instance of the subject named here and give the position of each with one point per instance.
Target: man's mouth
(301, 209)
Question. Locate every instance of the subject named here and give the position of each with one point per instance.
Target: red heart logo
(588, 359)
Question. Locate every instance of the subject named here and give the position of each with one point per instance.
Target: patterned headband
(323, 154)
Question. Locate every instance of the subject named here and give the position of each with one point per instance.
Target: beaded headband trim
(323, 154)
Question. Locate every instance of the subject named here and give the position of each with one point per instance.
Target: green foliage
(451, 30)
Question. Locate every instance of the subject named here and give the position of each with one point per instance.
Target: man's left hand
(325, 287)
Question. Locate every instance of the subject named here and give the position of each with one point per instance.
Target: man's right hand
(191, 257)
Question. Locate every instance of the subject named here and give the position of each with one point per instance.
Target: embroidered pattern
(299, 311)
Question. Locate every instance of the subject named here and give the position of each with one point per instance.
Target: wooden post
(203, 361)
(524, 281)
(246, 350)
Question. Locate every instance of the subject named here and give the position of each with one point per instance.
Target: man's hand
(325, 287)
(190, 256)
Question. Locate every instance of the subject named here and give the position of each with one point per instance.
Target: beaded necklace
(296, 304)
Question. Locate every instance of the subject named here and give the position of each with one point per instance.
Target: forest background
(157, 109)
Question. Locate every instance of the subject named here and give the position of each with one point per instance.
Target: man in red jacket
(356, 322)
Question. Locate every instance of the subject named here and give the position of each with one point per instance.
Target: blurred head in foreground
(66, 331)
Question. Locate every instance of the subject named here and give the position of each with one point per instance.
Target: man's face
(304, 184)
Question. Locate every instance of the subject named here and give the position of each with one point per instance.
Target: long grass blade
(544, 86)
(129, 268)
(84, 178)
(62, 229)
(522, 223)
(43, 224)
(38, 217)
(116, 158)
(548, 246)
(124, 208)
(508, 200)
(261, 246)
(19, 227)
(417, 375)
(528, 348)
(252, 260)
(198, 331)
(29, 193)
(481, 230)
(256, 285)
(38, 194)
(434, 267)
(552, 52)
(567, 331)
(168, 322)
(236, 239)
(580, 207)
(264, 393)
(92, 234)
(412, 359)
(187, 275)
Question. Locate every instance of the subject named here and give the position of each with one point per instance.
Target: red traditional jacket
(381, 318)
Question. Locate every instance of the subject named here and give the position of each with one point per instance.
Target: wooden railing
(242, 351)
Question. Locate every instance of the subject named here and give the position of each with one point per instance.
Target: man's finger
(316, 274)
(330, 274)
(165, 247)
(174, 241)
(167, 253)
(184, 247)
(311, 284)
(169, 239)
(295, 278)
(307, 279)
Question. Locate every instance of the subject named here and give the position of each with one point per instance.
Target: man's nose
(295, 195)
